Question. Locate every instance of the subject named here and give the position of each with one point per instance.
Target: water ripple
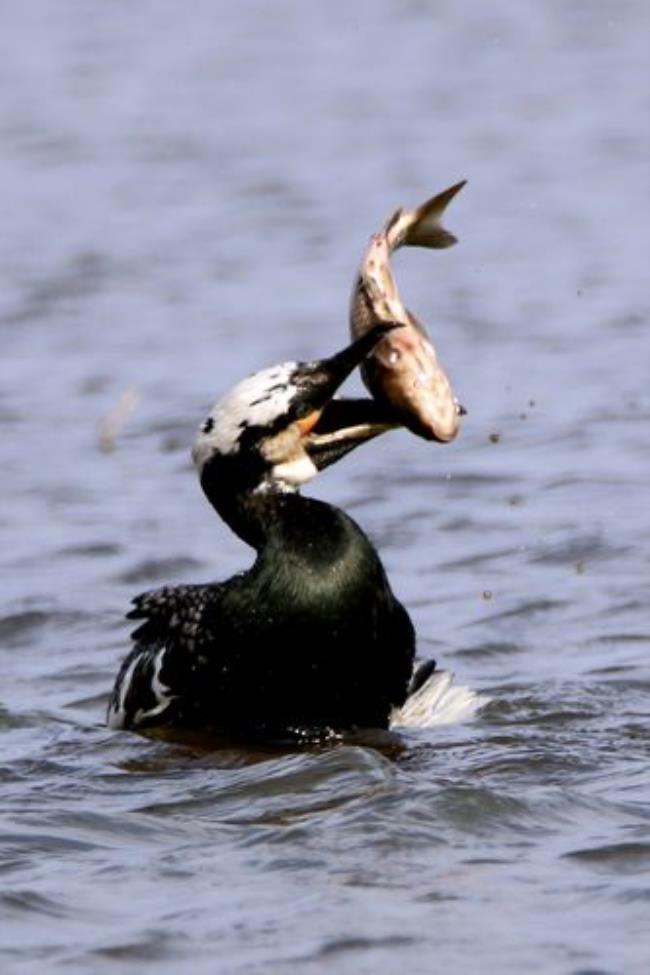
(185, 200)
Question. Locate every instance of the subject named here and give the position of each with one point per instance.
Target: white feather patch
(295, 472)
(439, 701)
(255, 401)
(149, 666)
(161, 692)
(117, 713)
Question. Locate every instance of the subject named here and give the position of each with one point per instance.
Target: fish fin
(391, 223)
(423, 227)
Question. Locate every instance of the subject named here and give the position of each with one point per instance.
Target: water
(186, 192)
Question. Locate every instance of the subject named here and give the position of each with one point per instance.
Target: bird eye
(207, 425)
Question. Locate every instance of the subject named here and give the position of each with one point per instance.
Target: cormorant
(311, 638)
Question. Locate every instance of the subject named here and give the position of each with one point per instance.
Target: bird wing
(173, 639)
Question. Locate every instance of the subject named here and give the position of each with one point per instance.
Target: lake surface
(186, 191)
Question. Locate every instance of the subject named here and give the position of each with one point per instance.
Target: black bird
(311, 637)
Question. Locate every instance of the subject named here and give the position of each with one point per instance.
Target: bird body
(310, 637)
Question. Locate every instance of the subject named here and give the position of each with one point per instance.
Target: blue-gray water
(186, 190)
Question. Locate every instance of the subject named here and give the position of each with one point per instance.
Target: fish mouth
(344, 424)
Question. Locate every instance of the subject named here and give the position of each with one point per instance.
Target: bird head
(276, 429)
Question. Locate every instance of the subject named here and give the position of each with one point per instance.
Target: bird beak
(343, 425)
(331, 428)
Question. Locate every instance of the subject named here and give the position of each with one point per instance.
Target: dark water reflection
(186, 193)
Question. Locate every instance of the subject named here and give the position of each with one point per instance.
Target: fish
(404, 372)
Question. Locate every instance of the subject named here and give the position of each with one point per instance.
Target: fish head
(404, 371)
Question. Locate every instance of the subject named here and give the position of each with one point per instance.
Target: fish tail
(422, 227)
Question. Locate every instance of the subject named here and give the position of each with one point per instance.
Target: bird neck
(257, 516)
(283, 522)
(254, 514)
